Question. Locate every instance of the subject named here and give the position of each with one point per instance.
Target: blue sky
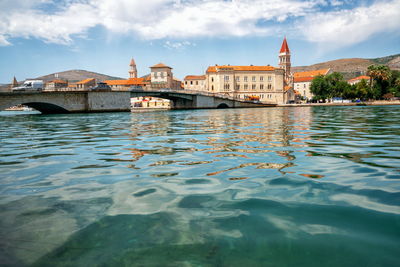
(39, 37)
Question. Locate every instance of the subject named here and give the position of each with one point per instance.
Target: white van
(30, 85)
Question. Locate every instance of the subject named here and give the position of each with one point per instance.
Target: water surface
(300, 186)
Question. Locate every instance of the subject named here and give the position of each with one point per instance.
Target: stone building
(56, 84)
(302, 81)
(195, 82)
(266, 83)
(162, 78)
(86, 84)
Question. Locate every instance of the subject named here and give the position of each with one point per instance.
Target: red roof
(160, 65)
(360, 78)
(57, 81)
(311, 73)
(240, 68)
(303, 79)
(129, 82)
(86, 81)
(284, 47)
(195, 77)
(287, 87)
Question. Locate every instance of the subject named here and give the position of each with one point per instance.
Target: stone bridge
(186, 99)
(49, 102)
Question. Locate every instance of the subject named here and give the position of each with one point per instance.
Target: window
(212, 79)
(226, 78)
(191, 82)
(261, 86)
(162, 74)
(237, 78)
(226, 86)
(261, 78)
(197, 82)
(253, 87)
(245, 78)
(269, 78)
(185, 82)
(253, 78)
(212, 87)
(237, 86)
(246, 87)
(304, 93)
(304, 85)
(269, 86)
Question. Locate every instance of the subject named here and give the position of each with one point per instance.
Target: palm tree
(379, 72)
(397, 82)
(372, 72)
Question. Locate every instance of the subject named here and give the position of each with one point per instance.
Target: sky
(39, 37)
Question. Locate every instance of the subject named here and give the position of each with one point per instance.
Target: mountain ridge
(352, 67)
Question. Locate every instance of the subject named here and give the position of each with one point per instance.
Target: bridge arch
(223, 105)
(46, 108)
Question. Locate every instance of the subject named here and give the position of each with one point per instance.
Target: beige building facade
(195, 82)
(302, 82)
(242, 82)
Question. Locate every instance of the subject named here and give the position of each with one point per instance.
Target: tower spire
(14, 83)
(284, 60)
(132, 71)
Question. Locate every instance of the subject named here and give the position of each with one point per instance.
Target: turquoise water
(300, 186)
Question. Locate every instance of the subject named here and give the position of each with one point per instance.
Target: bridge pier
(66, 102)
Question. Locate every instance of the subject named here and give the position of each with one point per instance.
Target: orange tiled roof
(71, 85)
(240, 68)
(360, 78)
(85, 81)
(195, 77)
(147, 78)
(160, 65)
(297, 92)
(284, 47)
(303, 79)
(57, 81)
(287, 87)
(129, 82)
(312, 73)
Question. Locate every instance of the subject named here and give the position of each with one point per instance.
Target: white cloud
(178, 45)
(183, 19)
(347, 27)
(3, 41)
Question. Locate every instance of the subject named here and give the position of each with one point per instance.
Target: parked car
(101, 87)
(30, 85)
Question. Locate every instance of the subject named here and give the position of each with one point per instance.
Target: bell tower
(284, 60)
(133, 70)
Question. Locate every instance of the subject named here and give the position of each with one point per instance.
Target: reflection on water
(294, 186)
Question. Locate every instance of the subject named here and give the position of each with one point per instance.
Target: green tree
(380, 79)
(320, 88)
(362, 90)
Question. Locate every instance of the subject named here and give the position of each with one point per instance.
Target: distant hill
(69, 75)
(76, 75)
(352, 67)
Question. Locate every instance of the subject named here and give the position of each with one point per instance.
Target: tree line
(384, 83)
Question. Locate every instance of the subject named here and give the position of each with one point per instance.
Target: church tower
(133, 70)
(14, 83)
(284, 60)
